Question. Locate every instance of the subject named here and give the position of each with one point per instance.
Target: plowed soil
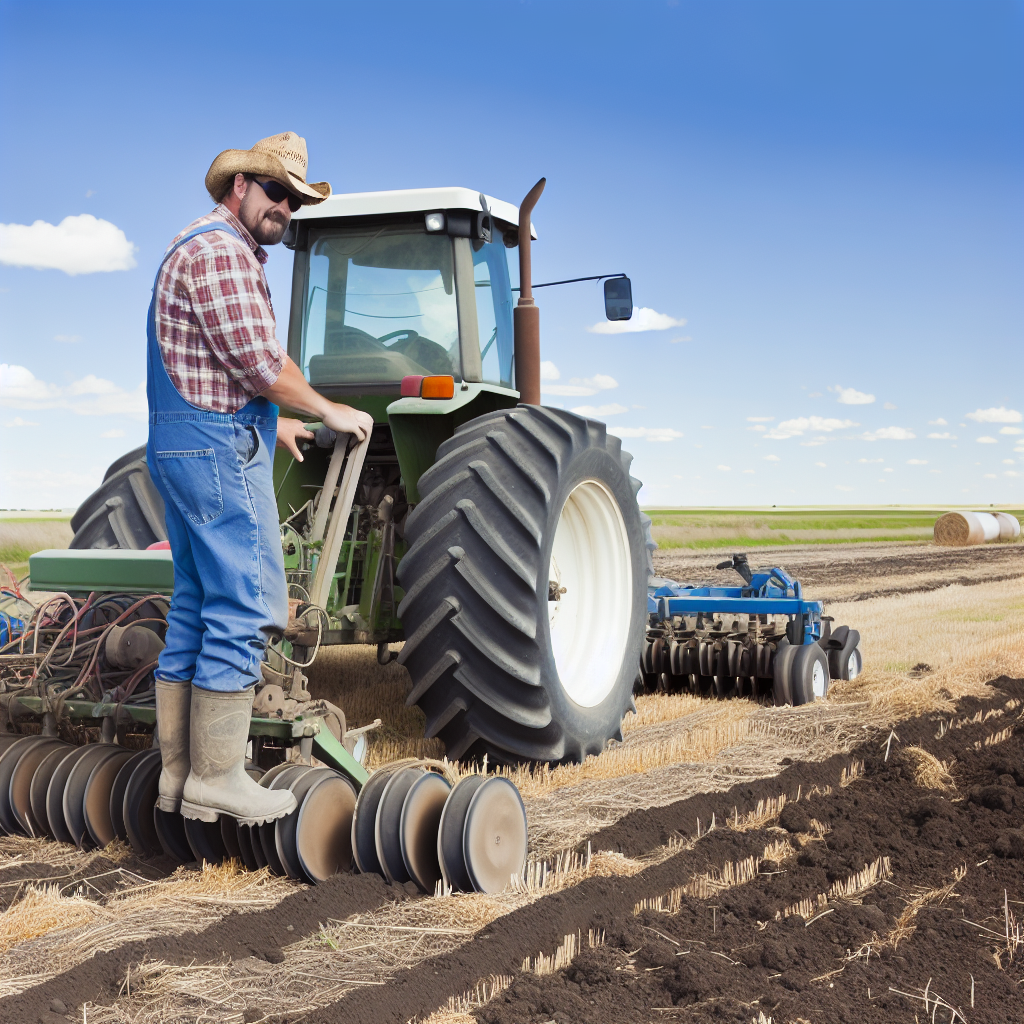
(727, 957)
(851, 572)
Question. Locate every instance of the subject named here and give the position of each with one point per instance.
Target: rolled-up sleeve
(231, 302)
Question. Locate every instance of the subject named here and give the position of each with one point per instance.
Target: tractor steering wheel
(408, 331)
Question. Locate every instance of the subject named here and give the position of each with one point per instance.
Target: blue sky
(828, 194)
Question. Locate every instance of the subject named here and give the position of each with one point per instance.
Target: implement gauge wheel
(525, 588)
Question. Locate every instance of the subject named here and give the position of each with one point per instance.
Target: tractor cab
(414, 282)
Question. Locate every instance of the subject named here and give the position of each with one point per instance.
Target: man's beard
(268, 227)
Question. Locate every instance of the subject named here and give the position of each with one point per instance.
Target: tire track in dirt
(607, 903)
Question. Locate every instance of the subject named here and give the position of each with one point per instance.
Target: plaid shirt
(214, 320)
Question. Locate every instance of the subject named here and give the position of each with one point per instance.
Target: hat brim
(245, 161)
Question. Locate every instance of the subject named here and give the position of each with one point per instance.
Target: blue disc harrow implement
(751, 640)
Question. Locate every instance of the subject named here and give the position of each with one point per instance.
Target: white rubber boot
(217, 783)
(173, 701)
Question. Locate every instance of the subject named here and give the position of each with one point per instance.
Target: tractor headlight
(434, 222)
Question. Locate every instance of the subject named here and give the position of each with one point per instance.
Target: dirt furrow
(260, 934)
(864, 826)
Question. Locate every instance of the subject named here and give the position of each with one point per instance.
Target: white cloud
(581, 387)
(843, 487)
(706, 427)
(796, 427)
(851, 396)
(748, 471)
(1010, 472)
(1010, 430)
(813, 443)
(548, 371)
(68, 339)
(871, 460)
(112, 433)
(19, 422)
(675, 341)
(940, 422)
(917, 462)
(77, 245)
(725, 469)
(990, 476)
(943, 437)
(889, 434)
(643, 319)
(822, 465)
(760, 419)
(647, 433)
(90, 396)
(1000, 415)
(759, 427)
(888, 469)
(771, 458)
(987, 440)
(889, 406)
(600, 411)
(1009, 462)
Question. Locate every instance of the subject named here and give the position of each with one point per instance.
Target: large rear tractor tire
(125, 511)
(525, 588)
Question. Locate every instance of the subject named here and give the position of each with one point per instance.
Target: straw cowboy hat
(281, 157)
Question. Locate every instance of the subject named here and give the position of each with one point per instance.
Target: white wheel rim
(818, 680)
(853, 665)
(589, 623)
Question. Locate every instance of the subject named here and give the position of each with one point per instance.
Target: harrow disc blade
(494, 840)
(364, 822)
(285, 828)
(74, 790)
(243, 836)
(20, 787)
(116, 803)
(8, 762)
(450, 830)
(229, 837)
(40, 782)
(170, 831)
(323, 832)
(258, 853)
(206, 840)
(421, 818)
(139, 801)
(96, 802)
(264, 834)
(389, 817)
(58, 827)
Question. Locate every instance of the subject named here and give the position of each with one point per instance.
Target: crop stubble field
(859, 859)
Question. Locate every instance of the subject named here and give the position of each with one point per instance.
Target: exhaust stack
(526, 315)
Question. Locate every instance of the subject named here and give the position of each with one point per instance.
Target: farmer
(215, 372)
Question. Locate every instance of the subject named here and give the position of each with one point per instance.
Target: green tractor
(499, 539)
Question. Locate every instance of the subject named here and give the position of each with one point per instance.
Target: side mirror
(618, 298)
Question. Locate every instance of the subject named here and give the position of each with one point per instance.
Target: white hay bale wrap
(1009, 526)
(964, 528)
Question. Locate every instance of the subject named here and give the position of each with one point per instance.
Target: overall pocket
(193, 480)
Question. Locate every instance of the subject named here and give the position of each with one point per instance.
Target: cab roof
(409, 200)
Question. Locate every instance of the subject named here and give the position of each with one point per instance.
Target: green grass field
(699, 528)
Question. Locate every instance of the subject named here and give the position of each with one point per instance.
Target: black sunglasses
(276, 192)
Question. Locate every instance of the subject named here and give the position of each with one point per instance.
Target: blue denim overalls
(215, 474)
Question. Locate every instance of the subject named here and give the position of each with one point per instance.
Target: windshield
(380, 304)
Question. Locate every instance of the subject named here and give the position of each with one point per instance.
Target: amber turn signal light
(439, 386)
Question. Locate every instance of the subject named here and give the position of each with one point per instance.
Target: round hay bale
(959, 529)
(1009, 526)
(989, 524)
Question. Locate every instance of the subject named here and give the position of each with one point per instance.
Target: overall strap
(217, 225)
(153, 357)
